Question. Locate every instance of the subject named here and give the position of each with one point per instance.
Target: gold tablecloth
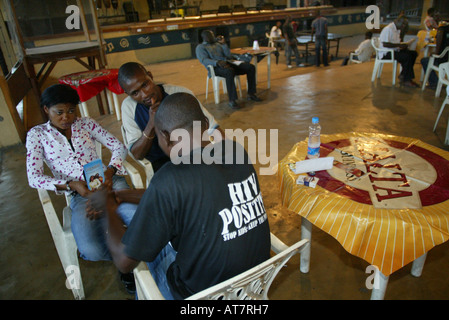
(396, 211)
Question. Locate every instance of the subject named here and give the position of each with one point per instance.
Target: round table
(391, 215)
(90, 83)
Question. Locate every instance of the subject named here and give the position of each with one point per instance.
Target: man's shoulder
(385, 30)
(171, 88)
(129, 102)
(128, 105)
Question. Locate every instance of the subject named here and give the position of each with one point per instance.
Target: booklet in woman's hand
(94, 174)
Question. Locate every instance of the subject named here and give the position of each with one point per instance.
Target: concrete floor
(345, 100)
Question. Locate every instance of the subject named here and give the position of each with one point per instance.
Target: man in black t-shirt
(202, 207)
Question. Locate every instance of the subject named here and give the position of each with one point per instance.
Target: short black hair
(206, 35)
(59, 93)
(178, 110)
(127, 71)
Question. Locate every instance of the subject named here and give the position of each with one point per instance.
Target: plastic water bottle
(313, 150)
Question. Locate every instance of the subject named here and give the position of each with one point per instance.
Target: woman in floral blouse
(66, 143)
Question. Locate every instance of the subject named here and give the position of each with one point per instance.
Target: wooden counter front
(225, 19)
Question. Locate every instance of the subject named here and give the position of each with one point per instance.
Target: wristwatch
(67, 186)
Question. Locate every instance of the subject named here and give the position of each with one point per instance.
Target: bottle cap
(315, 120)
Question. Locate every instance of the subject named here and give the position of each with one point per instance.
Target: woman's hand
(80, 187)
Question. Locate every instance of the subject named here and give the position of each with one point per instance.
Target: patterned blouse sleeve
(35, 164)
(117, 148)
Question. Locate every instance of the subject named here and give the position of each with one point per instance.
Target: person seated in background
(390, 37)
(441, 42)
(218, 55)
(183, 226)
(139, 108)
(405, 26)
(66, 143)
(429, 22)
(365, 50)
(276, 34)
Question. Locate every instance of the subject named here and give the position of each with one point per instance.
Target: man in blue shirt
(319, 28)
(138, 109)
(218, 54)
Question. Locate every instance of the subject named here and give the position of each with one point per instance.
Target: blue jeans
(321, 43)
(159, 267)
(433, 78)
(90, 235)
(288, 53)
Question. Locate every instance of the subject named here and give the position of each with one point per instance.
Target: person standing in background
(319, 29)
(291, 44)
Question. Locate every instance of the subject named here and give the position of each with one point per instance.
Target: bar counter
(222, 19)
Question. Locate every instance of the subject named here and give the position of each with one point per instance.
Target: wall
(9, 134)
(180, 44)
(122, 46)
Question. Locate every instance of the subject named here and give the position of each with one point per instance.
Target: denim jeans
(433, 78)
(231, 71)
(90, 235)
(159, 267)
(321, 43)
(288, 53)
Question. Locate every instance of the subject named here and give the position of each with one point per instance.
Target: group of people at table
(178, 225)
(392, 36)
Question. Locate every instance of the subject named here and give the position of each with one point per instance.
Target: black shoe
(234, 104)
(128, 280)
(254, 97)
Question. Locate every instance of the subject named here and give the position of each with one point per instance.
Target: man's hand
(221, 40)
(222, 64)
(99, 201)
(108, 174)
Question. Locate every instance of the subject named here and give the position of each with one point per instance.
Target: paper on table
(313, 165)
(236, 62)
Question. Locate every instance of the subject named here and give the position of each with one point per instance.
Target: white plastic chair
(112, 101)
(62, 233)
(379, 62)
(145, 163)
(270, 40)
(216, 84)
(443, 105)
(352, 59)
(432, 67)
(443, 77)
(249, 285)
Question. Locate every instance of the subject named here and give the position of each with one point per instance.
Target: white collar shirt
(46, 144)
(365, 51)
(389, 34)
